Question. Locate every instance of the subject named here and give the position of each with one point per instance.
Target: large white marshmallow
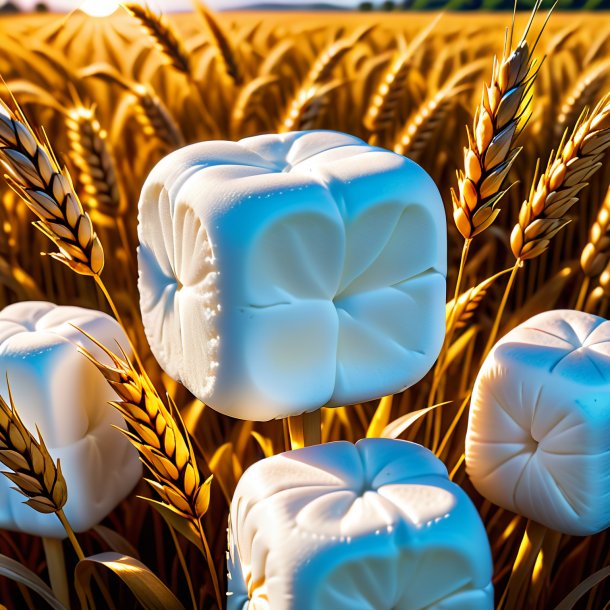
(372, 526)
(57, 389)
(286, 272)
(538, 438)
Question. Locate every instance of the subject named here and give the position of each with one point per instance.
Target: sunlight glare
(99, 8)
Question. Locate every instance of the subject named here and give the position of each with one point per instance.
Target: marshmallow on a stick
(538, 438)
(56, 389)
(283, 273)
(374, 526)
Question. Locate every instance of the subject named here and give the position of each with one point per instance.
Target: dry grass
(407, 83)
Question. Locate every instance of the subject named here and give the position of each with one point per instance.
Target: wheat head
(163, 35)
(596, 254)
(34, 173)
(90, 153)
(31, 466)
(491, 152)
(543, 214)
(163, 443)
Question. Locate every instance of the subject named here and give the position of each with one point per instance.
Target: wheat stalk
(222, 43)
(491, 153)
(543, 214)
(90, 153)
(163, 35)
(32, 468)
(47, 189)
(163, 443)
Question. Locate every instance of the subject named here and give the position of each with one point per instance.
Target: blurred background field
(113, 103)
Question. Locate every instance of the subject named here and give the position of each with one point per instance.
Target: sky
(183, 5)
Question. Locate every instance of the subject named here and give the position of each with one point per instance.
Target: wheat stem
(582, 295)
(183, 565)
(115, 312)
(450, 325)
(56, 566)
(71, 535)
(210, 561)
(498, 319)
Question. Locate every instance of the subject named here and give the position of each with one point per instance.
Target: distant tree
(388, 5)
(365, 6)
(9, 7)
(41, 7)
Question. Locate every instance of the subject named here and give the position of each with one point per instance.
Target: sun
(99, 8)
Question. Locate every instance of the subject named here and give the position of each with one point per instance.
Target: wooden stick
(305, 430)
(54, 552)
(312, 428)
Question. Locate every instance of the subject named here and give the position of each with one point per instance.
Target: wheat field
(114, 97)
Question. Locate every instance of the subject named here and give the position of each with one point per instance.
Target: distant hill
(295, 6)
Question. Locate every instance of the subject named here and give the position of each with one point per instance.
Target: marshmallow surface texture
(372, 526)
(57, 389)
(283, 273)
(538, 439)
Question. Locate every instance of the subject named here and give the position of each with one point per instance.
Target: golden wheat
(596, 254)
(491, 153)
(32, 468)
(163, 35)
(35, 175)
(90, 153)
(544, 213)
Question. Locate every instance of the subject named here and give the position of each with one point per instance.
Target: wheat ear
(491, 152)
(163, 35)
(91, 155)
(596, 254)
(222, 43)
(35, 175)
(32, 468)
(544, 213)
(582, 95)
(164, 446)
(161, 438)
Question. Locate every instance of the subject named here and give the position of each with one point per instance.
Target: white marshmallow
(286, 272)
(372, 526)
(57, 389)
(538, 438)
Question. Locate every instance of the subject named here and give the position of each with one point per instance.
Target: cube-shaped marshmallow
(538, 438)
(286, 272)
(373, 526)
(57, 389)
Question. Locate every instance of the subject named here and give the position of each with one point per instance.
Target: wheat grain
(90, 153)
(35, 175)
(31, 466)
(543, 214)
